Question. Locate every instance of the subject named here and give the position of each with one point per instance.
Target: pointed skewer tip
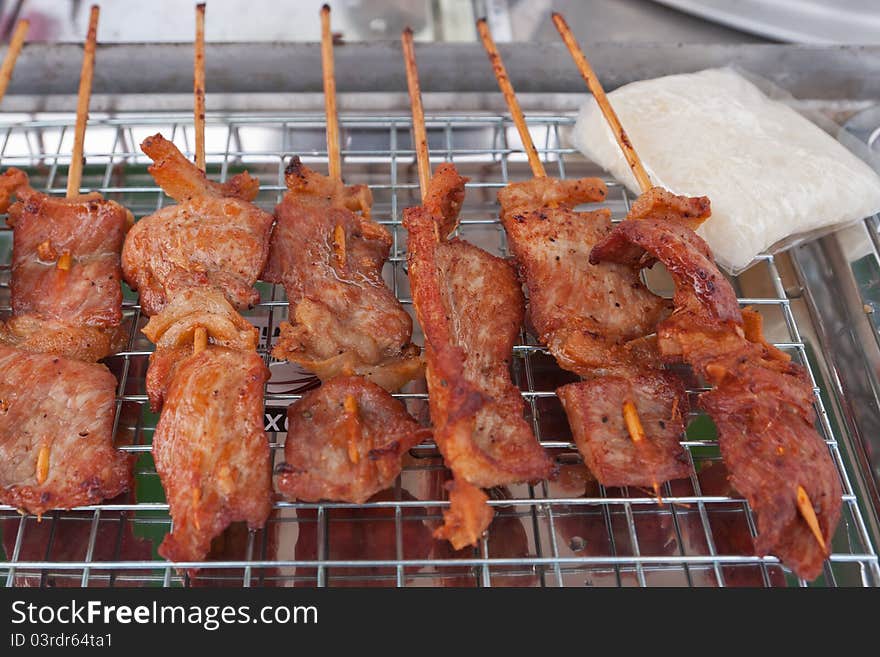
(805, 506)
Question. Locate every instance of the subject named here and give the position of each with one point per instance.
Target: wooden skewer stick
(43, 464)
(334, 159)
(199, 86)
(633, 423)
(510, 97)
(12, 53)
(74, 174)
(200, 339)
(200, 335)
(339, 248)
(586, 71)
(637, 433)
(809, 515)
(352, 420)
(420, 135)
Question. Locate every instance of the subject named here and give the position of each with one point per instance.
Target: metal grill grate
(568, 532)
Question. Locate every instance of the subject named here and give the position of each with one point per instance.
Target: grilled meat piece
(172, 332)
(56, 433)
(470, 306)
(183, 181)
(345, 442)
(659, 203)
(545, 192)
(444, 198)
(211, 452)
(594, 319)
(582, 312)
(329, 255)
(771, 447)
(594, 410)
(65, 258)
(467, 516)
(50, 336)
(11, 181)
(701, 290)
(201, 307)
(215, 237)
(761, 402)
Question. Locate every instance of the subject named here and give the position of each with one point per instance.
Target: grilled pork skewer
(762, 404)
(65, 288)
(627, 415)
(195, 264)
(57, 404)
(345, 440)
(328, 254)
(470, 306)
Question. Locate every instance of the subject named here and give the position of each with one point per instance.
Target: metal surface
(565, 532)
(820, 72)
(802, 21)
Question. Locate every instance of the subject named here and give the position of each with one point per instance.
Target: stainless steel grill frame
(549, 534)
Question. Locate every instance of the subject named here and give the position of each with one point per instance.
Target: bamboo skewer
(74, 175)
(630, 413)
(510, 97)
(633, 423)
(809, 514)
(637, 434)
(199, 86)
(805, 506)
(334, 159)
(200, 335)
(42, 464)
(200, 339)
(353, 423)
(12, 53)
(592, 80)
(420, 135)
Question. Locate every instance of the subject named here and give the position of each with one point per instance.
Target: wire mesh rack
(567, 532)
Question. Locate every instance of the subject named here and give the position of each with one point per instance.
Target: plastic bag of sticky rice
(772, 176)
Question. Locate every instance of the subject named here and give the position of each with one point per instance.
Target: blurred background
(665, 21)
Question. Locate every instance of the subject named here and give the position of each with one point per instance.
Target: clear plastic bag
(775, 177)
